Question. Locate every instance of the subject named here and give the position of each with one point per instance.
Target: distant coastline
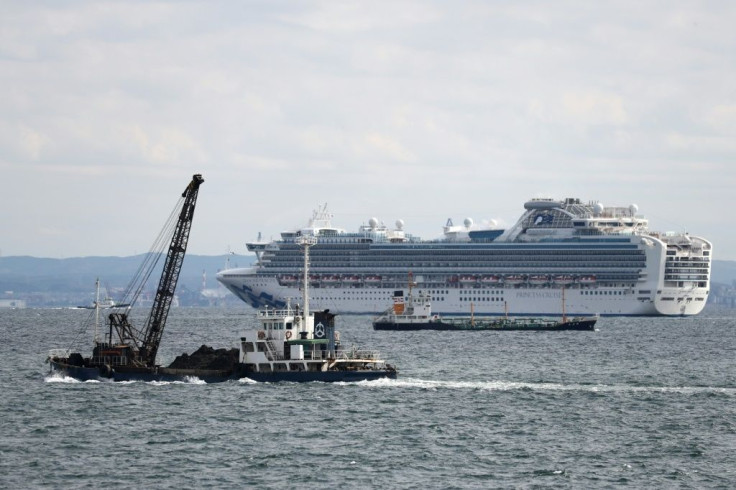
(42, 282)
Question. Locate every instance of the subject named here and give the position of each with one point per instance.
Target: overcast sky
(422, 111)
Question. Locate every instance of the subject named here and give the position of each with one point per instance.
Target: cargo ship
(409, 313)
(605, 258)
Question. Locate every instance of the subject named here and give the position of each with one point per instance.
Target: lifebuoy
(261, 334)
(288, 334)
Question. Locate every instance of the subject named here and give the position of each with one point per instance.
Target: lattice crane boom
(156, 322)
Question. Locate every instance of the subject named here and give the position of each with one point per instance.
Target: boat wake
(61, 378)
(436, 385)
(188, 380)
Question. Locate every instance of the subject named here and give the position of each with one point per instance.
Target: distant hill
(724, 271)
(78, 275)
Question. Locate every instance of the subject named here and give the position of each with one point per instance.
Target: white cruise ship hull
(260, 291)
(584, 258)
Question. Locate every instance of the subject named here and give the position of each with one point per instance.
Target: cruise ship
(568, 256)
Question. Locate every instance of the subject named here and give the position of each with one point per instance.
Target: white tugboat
(294, 345)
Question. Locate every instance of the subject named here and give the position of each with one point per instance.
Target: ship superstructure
(603, 259)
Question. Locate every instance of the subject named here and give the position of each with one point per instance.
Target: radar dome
(373, 223)
(399, 224)
(634, 209)
(492, 223)
(468, 222)
(598, 208)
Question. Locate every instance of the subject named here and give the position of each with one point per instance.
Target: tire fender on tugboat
(105, 370)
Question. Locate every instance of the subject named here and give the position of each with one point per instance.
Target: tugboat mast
(306, 242)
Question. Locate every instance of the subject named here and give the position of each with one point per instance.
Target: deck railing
(61, 353)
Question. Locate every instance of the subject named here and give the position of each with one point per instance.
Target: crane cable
(151, 259)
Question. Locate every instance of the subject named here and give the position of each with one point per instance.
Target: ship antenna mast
(306, 241)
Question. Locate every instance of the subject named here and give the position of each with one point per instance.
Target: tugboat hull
(105, 373)
(323, 376)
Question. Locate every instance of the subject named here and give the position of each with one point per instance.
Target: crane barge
(127, 353)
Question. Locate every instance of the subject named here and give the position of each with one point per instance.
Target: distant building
(723, 295)
(12, 303)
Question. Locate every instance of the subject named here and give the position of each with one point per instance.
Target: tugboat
(416, 314)
(294, 345)
(128, 354)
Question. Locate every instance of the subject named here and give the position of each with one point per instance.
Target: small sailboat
(104, 303)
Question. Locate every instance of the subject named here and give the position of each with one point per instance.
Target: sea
(638, 403)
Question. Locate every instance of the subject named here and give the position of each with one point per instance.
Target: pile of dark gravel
(207, 358)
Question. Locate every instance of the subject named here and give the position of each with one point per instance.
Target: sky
(412, 110)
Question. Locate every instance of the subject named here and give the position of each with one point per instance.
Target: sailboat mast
(97, 310)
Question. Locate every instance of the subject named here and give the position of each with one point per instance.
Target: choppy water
(641, 402)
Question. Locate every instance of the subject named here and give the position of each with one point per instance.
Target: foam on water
(513, 385)
(61, 378)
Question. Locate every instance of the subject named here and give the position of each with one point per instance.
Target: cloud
(449, 109)
(389, 148)
(722, 118)
(167, 145)
(594, 108)
(32, 142)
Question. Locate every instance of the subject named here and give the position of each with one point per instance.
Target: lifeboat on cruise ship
(373, 280)
(492, 279)
(514, 279)
(330, 279)
(468, 279)
(538, 279)
(587, 280)
(564, 280)
(288, 280)
(351, 279)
